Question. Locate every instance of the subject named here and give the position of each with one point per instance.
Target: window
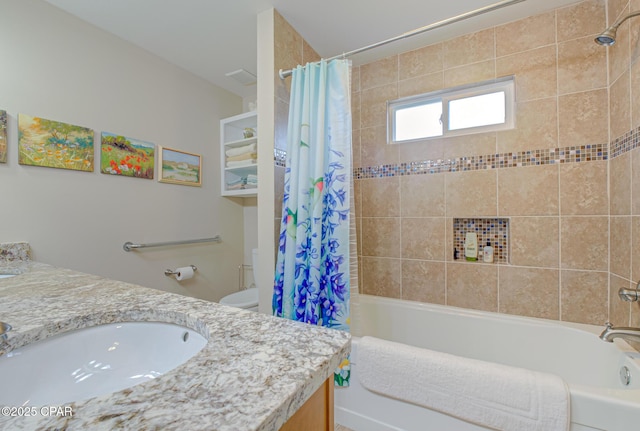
(456, 111)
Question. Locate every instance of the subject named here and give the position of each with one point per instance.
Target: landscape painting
(179, 167)
(53, 144)
(126, 156)
(3, 136)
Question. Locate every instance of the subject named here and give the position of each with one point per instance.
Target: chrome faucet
(629, 295)
(610, 333)
(4, 328)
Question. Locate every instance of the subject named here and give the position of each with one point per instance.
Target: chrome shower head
(608, 37)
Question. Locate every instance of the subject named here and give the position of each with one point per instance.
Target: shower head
(608, 37)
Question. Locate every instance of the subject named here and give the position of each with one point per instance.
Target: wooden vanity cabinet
(316, 414)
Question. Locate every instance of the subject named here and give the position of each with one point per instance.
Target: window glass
(475, 108)
(418, 122)
(476, 111)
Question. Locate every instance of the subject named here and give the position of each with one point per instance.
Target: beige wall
(61, 68)
(266, 127)
(558, 205)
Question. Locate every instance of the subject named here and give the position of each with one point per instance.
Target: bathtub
(590, 366)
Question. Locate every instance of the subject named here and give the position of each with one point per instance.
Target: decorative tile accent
(625, 143)
(494, 230)
(574, 154)
(279, 157)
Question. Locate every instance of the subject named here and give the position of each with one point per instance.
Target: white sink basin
(93, 361)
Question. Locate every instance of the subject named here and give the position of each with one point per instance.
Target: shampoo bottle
(488, 253)
(471, 246)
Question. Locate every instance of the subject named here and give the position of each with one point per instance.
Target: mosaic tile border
(625, 143)
(279, 157)
(574, 154)
(494, 230)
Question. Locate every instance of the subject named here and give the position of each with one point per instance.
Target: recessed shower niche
(492, 230)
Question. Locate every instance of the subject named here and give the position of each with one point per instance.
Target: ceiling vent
(243, 77)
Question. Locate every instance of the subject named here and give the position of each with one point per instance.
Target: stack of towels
(252, 181)
(241, 156)
(245, 182)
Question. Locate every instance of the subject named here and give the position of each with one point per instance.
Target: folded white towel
(239, 186)
(238, 180)
(488, 394)
(241, 163)
(251, 148)
(244, 156)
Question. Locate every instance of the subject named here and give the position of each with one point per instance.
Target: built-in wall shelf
(238, 155)
(493, 230)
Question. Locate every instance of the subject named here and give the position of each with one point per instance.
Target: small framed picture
(179, 167)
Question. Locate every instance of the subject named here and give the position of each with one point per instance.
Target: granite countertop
(253, 374)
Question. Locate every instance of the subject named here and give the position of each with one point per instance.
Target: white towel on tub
(488, 394)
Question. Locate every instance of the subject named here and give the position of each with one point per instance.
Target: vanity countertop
(253, 374)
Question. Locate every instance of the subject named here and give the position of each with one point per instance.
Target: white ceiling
(213, 37)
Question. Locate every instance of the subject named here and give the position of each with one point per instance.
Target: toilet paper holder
(170, 272)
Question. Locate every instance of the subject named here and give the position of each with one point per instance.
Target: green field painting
(53, 144)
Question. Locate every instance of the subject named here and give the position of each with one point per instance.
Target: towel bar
(128, 246)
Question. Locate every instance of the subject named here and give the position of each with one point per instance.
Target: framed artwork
(127, 157)
(3, 136)
(179, 167)
(53, 144)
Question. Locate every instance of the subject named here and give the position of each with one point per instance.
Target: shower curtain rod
(490, 8)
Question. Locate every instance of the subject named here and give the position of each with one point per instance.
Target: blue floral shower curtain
(312, 268)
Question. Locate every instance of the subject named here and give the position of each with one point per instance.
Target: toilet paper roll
(184, 273)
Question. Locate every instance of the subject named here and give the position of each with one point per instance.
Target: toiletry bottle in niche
(488, 253)
(471, 246)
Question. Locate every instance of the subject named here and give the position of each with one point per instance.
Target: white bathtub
(590, 366)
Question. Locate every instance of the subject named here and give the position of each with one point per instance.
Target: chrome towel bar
(128, 246)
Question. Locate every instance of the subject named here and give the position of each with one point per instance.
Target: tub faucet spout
(610, 333)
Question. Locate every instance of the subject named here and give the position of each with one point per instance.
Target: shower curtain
(313, 264)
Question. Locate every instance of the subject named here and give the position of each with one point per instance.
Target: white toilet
(248, 298)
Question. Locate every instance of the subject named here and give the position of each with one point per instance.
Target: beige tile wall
(559, 213)
(624, 167)
(572, 225)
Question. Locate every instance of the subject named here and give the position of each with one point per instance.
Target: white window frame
(506, 85)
